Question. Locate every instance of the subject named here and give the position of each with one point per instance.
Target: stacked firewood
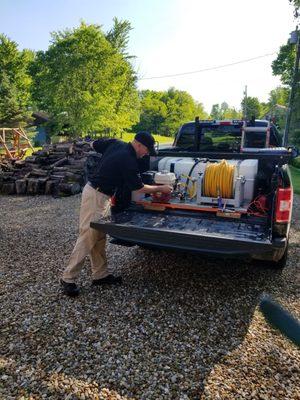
(57, 170)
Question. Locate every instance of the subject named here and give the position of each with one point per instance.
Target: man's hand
(165, 189)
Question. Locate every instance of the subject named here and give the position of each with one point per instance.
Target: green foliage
(14, 83)
(164, 112)
(283, 65)
(118, 36)
(153, 111)
(276, 107)
(251, 107)
(296, 4)
(223, 111)
(85, 82)
(296, 162)
(279, 95)
(295, 172)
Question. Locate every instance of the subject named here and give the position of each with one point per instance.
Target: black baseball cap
(147, 140)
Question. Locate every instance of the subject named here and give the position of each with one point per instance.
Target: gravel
(180, 327)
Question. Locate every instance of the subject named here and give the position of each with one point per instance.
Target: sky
(171, 37)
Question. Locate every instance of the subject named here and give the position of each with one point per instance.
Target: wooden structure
(14, 142)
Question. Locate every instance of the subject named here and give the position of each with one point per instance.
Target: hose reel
(218, 180)
(220, 185)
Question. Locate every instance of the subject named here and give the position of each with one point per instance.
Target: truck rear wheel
(276, 265)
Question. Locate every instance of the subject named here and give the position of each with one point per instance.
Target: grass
(295, 178)
(127, 137)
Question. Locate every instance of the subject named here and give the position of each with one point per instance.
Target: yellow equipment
(218, 180)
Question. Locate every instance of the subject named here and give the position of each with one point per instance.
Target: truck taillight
(284, 204)
(225, 123)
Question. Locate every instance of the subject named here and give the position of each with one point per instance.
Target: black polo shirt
(119, 166)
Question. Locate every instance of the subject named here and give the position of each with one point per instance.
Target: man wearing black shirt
(119, 168)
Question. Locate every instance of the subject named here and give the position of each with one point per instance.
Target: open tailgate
(188, 231)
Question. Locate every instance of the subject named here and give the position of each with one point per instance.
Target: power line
(208, 69)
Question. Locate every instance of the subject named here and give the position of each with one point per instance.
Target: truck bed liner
(194, 232)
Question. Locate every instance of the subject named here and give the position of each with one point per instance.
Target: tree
(118, 36)
(296, 4)
(283, 66)
(279, 95)
(223, 111)
(215, 112)
(164, 112)
(251, 107)
(15, 83)
(86, 82)
(181, 107)
(153, 111)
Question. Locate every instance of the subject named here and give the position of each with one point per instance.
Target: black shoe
(108, 280)
(69, 289)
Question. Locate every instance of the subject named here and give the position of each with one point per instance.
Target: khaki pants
(91, 242)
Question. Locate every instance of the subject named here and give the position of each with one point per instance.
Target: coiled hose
(218, 180)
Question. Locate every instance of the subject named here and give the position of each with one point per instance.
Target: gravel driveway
(180, 327)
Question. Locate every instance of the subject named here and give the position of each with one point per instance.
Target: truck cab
(232, 194)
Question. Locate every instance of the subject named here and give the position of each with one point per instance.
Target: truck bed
(197, 232)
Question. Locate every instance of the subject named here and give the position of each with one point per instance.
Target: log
(69, 188)
(77, 163)
(51, 187)
(60, 169)
(41, 153)
(21, 186)
(38, 173)
(32, 185)
(57, 176)
(8, 175)
(42, 185)
(66, 147)
(8, 188)
(72, 177)
(20, 163)
(36, 186)
(56, 154)
(59, 163)
(31, 159)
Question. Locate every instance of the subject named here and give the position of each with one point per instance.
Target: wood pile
(56, 170)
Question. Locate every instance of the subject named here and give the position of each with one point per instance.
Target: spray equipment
(187, 187)
(220, 185)
(163, 178)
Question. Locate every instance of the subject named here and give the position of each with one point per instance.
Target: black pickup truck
(232, 194)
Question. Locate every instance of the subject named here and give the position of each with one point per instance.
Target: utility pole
(245, 103)
(294, 39)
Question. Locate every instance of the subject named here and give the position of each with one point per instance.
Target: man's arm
(154, 189)
(133, 180)
(102, 144)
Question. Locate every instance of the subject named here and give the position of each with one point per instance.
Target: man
(118, 167)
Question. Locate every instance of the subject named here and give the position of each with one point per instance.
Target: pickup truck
(232, 194)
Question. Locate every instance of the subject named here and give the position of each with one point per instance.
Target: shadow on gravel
(156, 337)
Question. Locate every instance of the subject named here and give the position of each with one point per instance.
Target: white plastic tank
(165, 178)
(183, 166)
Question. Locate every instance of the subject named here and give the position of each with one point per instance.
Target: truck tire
(275, 265)
(280, 264)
